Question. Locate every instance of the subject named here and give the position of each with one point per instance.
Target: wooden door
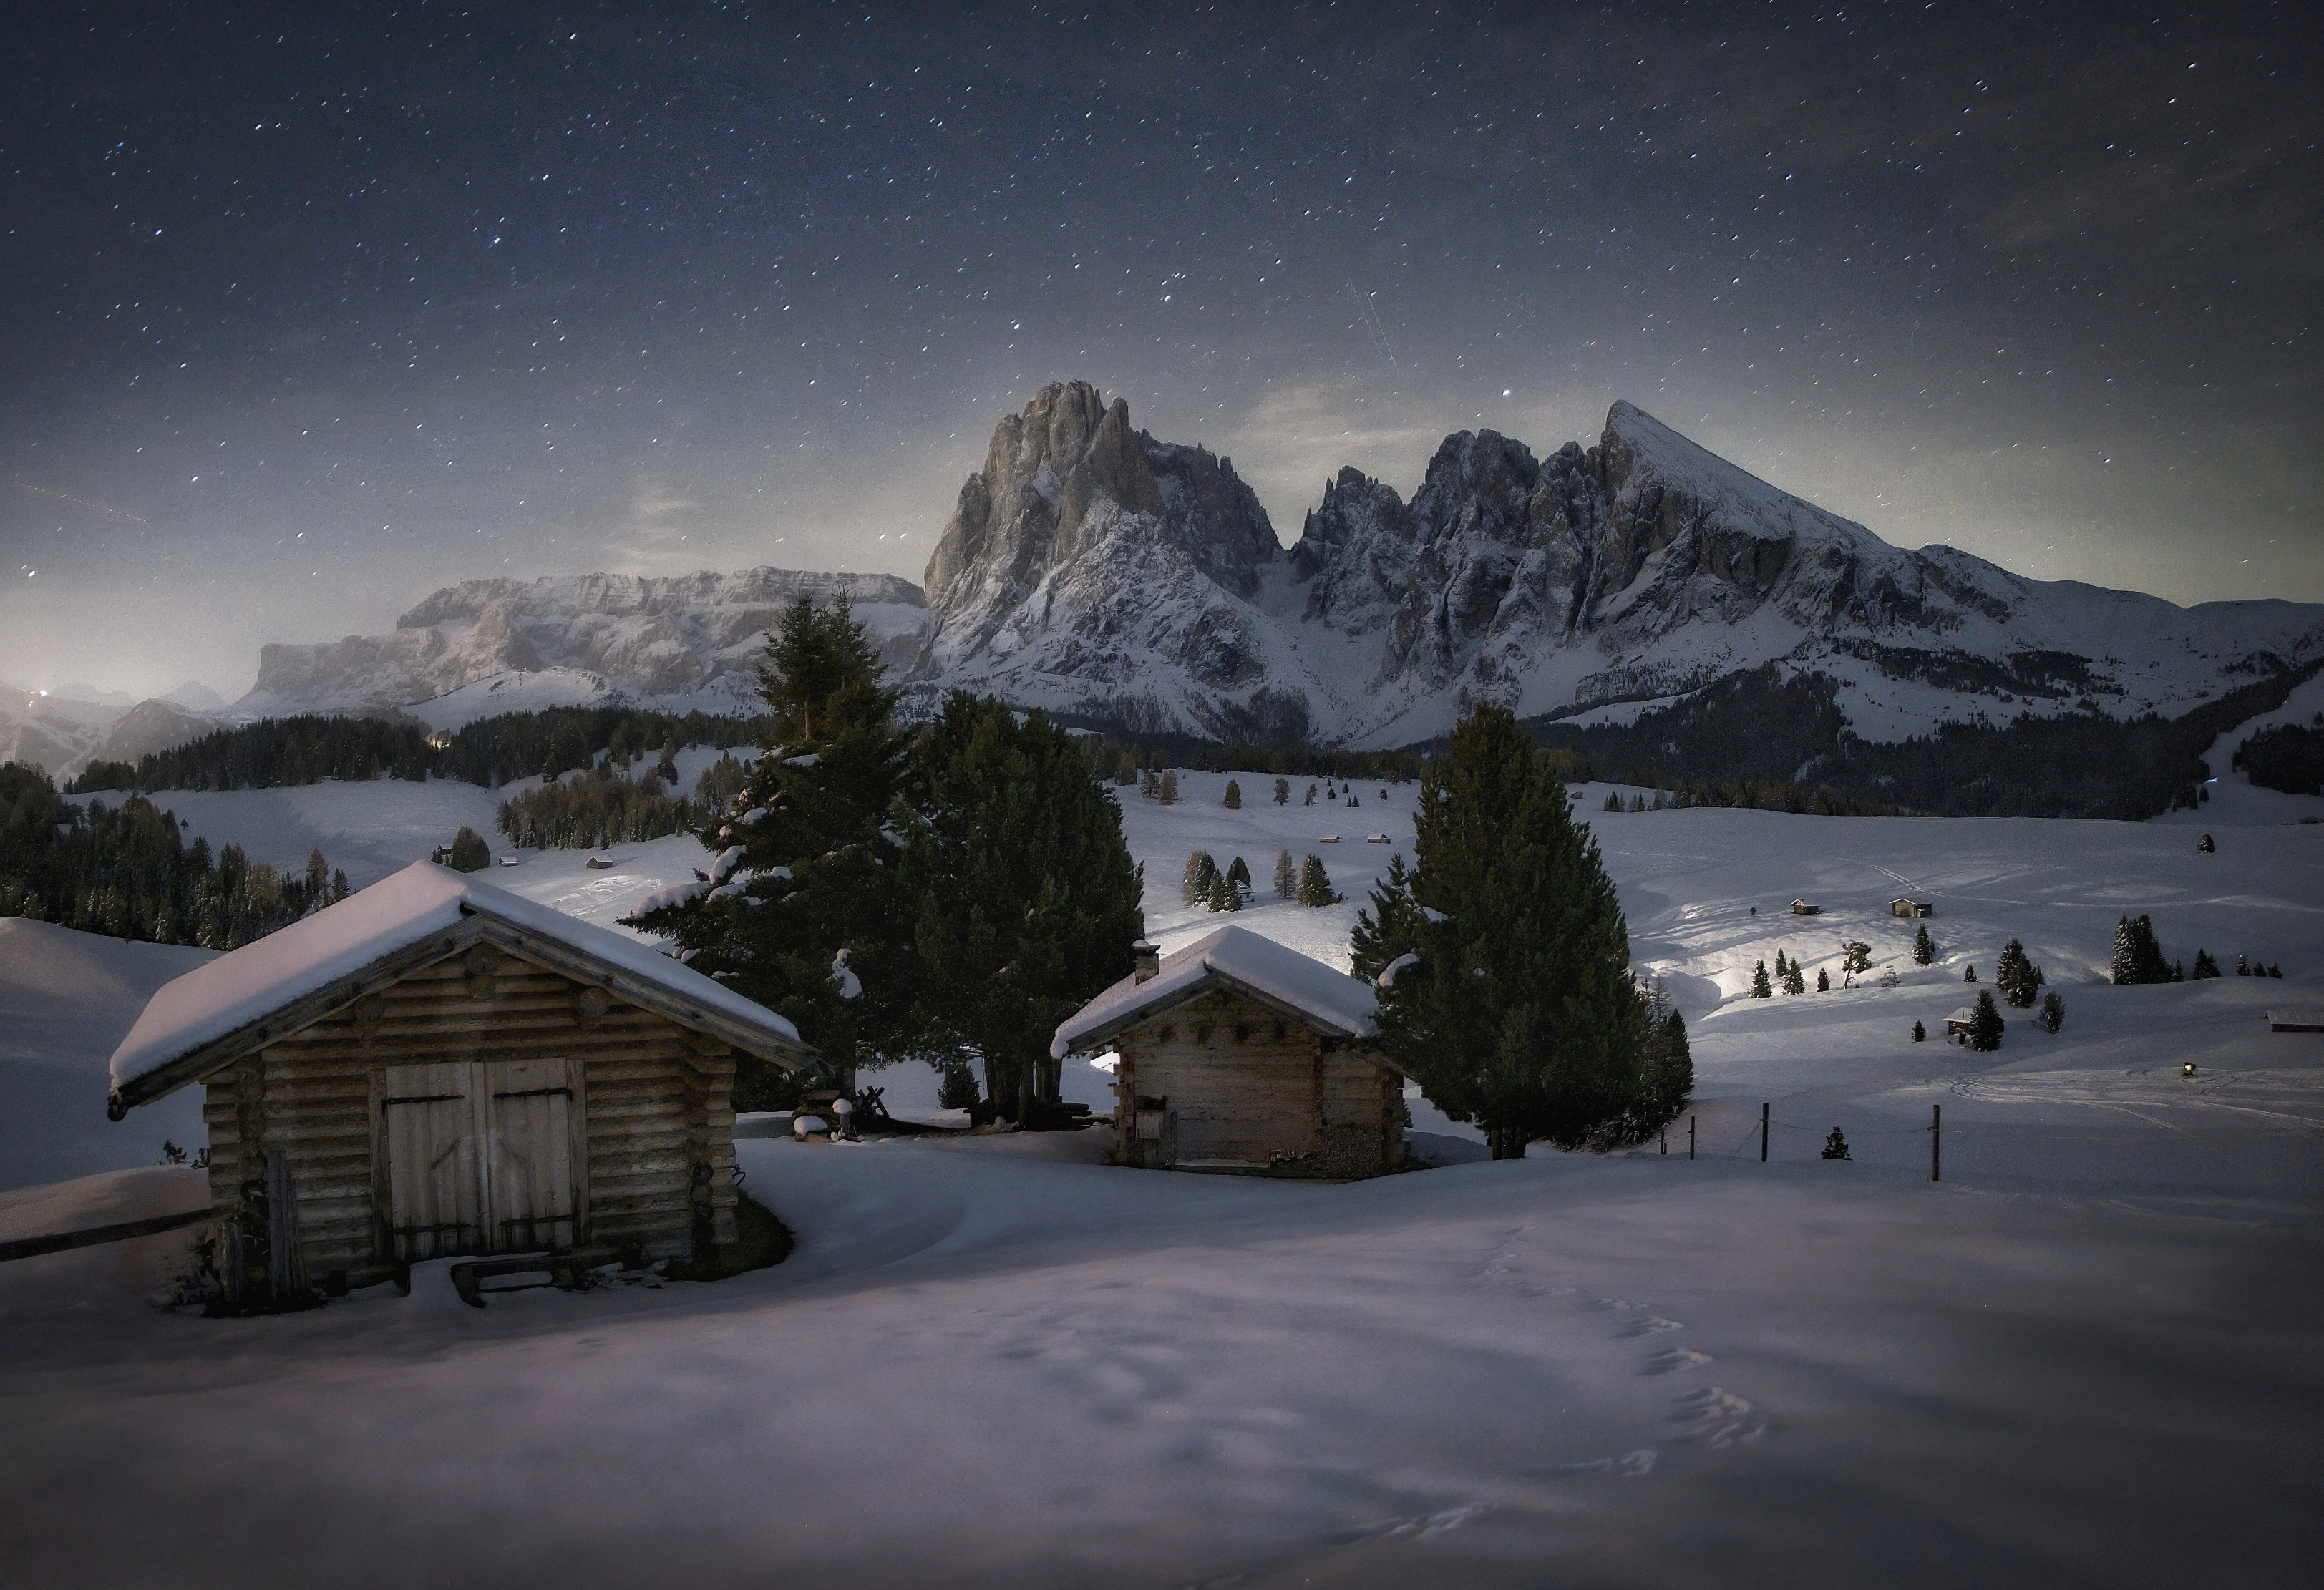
(533, 1166)
(430, 1117)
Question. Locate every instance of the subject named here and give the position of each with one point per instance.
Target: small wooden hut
(2297, 1018)
(1239, 1056)
(1904, 906)
(433, 1066)
(1802, 908)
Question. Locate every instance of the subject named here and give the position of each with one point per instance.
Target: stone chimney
(1146, 961)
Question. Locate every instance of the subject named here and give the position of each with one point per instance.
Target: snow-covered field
(2092, 1354)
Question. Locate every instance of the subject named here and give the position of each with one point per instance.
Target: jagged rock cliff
(1092, 570)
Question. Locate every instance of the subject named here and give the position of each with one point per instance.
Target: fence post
(1936, 1138)
(1763, 1133)
(1689, 1137)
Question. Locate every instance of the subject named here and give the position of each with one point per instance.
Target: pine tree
(1920, 1032)
(1521, 1013)
(1783, 966)
(1238, 878)
(1311, 797)
(1855, 958)
(1315, 884)
(1823, 981)
(1223, 895)
(1195, 884)
(1283, 792)
(957, 1090)
(1149, 785)
(1022, 897)
(1234, 795)
(1125, 771)
(1167, 793)
(2205, 967)
(2053, 1011)
(1984, 1025)
(817, 868)
(1793, 980)
(1968, 972)
(468, 852)
(2206, 846)
(1760, 987)
(2018, 978)
(1924, 950)
(1286, 876)
(2137, 955)
(1392, 925)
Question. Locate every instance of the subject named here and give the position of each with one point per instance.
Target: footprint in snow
(1715, 1417)
(1673, 1360)
(1649, 1325)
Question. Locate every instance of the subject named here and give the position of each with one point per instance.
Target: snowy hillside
(2088, 1355)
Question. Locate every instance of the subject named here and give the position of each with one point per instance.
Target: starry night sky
(306, 311)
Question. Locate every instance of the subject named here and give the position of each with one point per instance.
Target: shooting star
(76, 501)
(1372, 324)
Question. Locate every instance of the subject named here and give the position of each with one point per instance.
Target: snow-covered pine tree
(1315, 884)
(1783, 966)
(1392, 925)
(1238, 877)
(1760, 987)
(1968, 972)
(1195, 886)
(1514, 901)
(1224, 895)
(1283, 792)
(2053, 1011)
(2205, 967)
(1924, 950)
(1794, 981)
(1920, 1032)
(1286, 876)
(1125, 771)
(2126, 958)
(1823, 981)
(1311, 797)
(2018, 977)
(2206, 846)
(1985, 1024)
(1149, 785)
(1855, 958)
(1168, 791)
(806, 854)
(1234, 795)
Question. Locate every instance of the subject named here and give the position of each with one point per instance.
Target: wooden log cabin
(433, 1066)
(1239, 1056)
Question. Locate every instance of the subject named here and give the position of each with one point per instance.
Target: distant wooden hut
(1903, 906)
(2300, 1018)
(1959, 1021)
(1239, 1055)
(435, 1066)
(1802, 908)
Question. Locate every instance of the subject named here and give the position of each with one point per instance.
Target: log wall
(658, 1097)
(1247, 1088)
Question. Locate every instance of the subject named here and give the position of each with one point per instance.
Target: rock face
(692, 639)
(1096, 571)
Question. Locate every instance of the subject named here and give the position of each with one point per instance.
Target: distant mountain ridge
(1120, 581)
(1094, 571)
(502, 645)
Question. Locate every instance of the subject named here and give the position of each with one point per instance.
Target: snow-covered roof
(1330, 1000)
(225, 996)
